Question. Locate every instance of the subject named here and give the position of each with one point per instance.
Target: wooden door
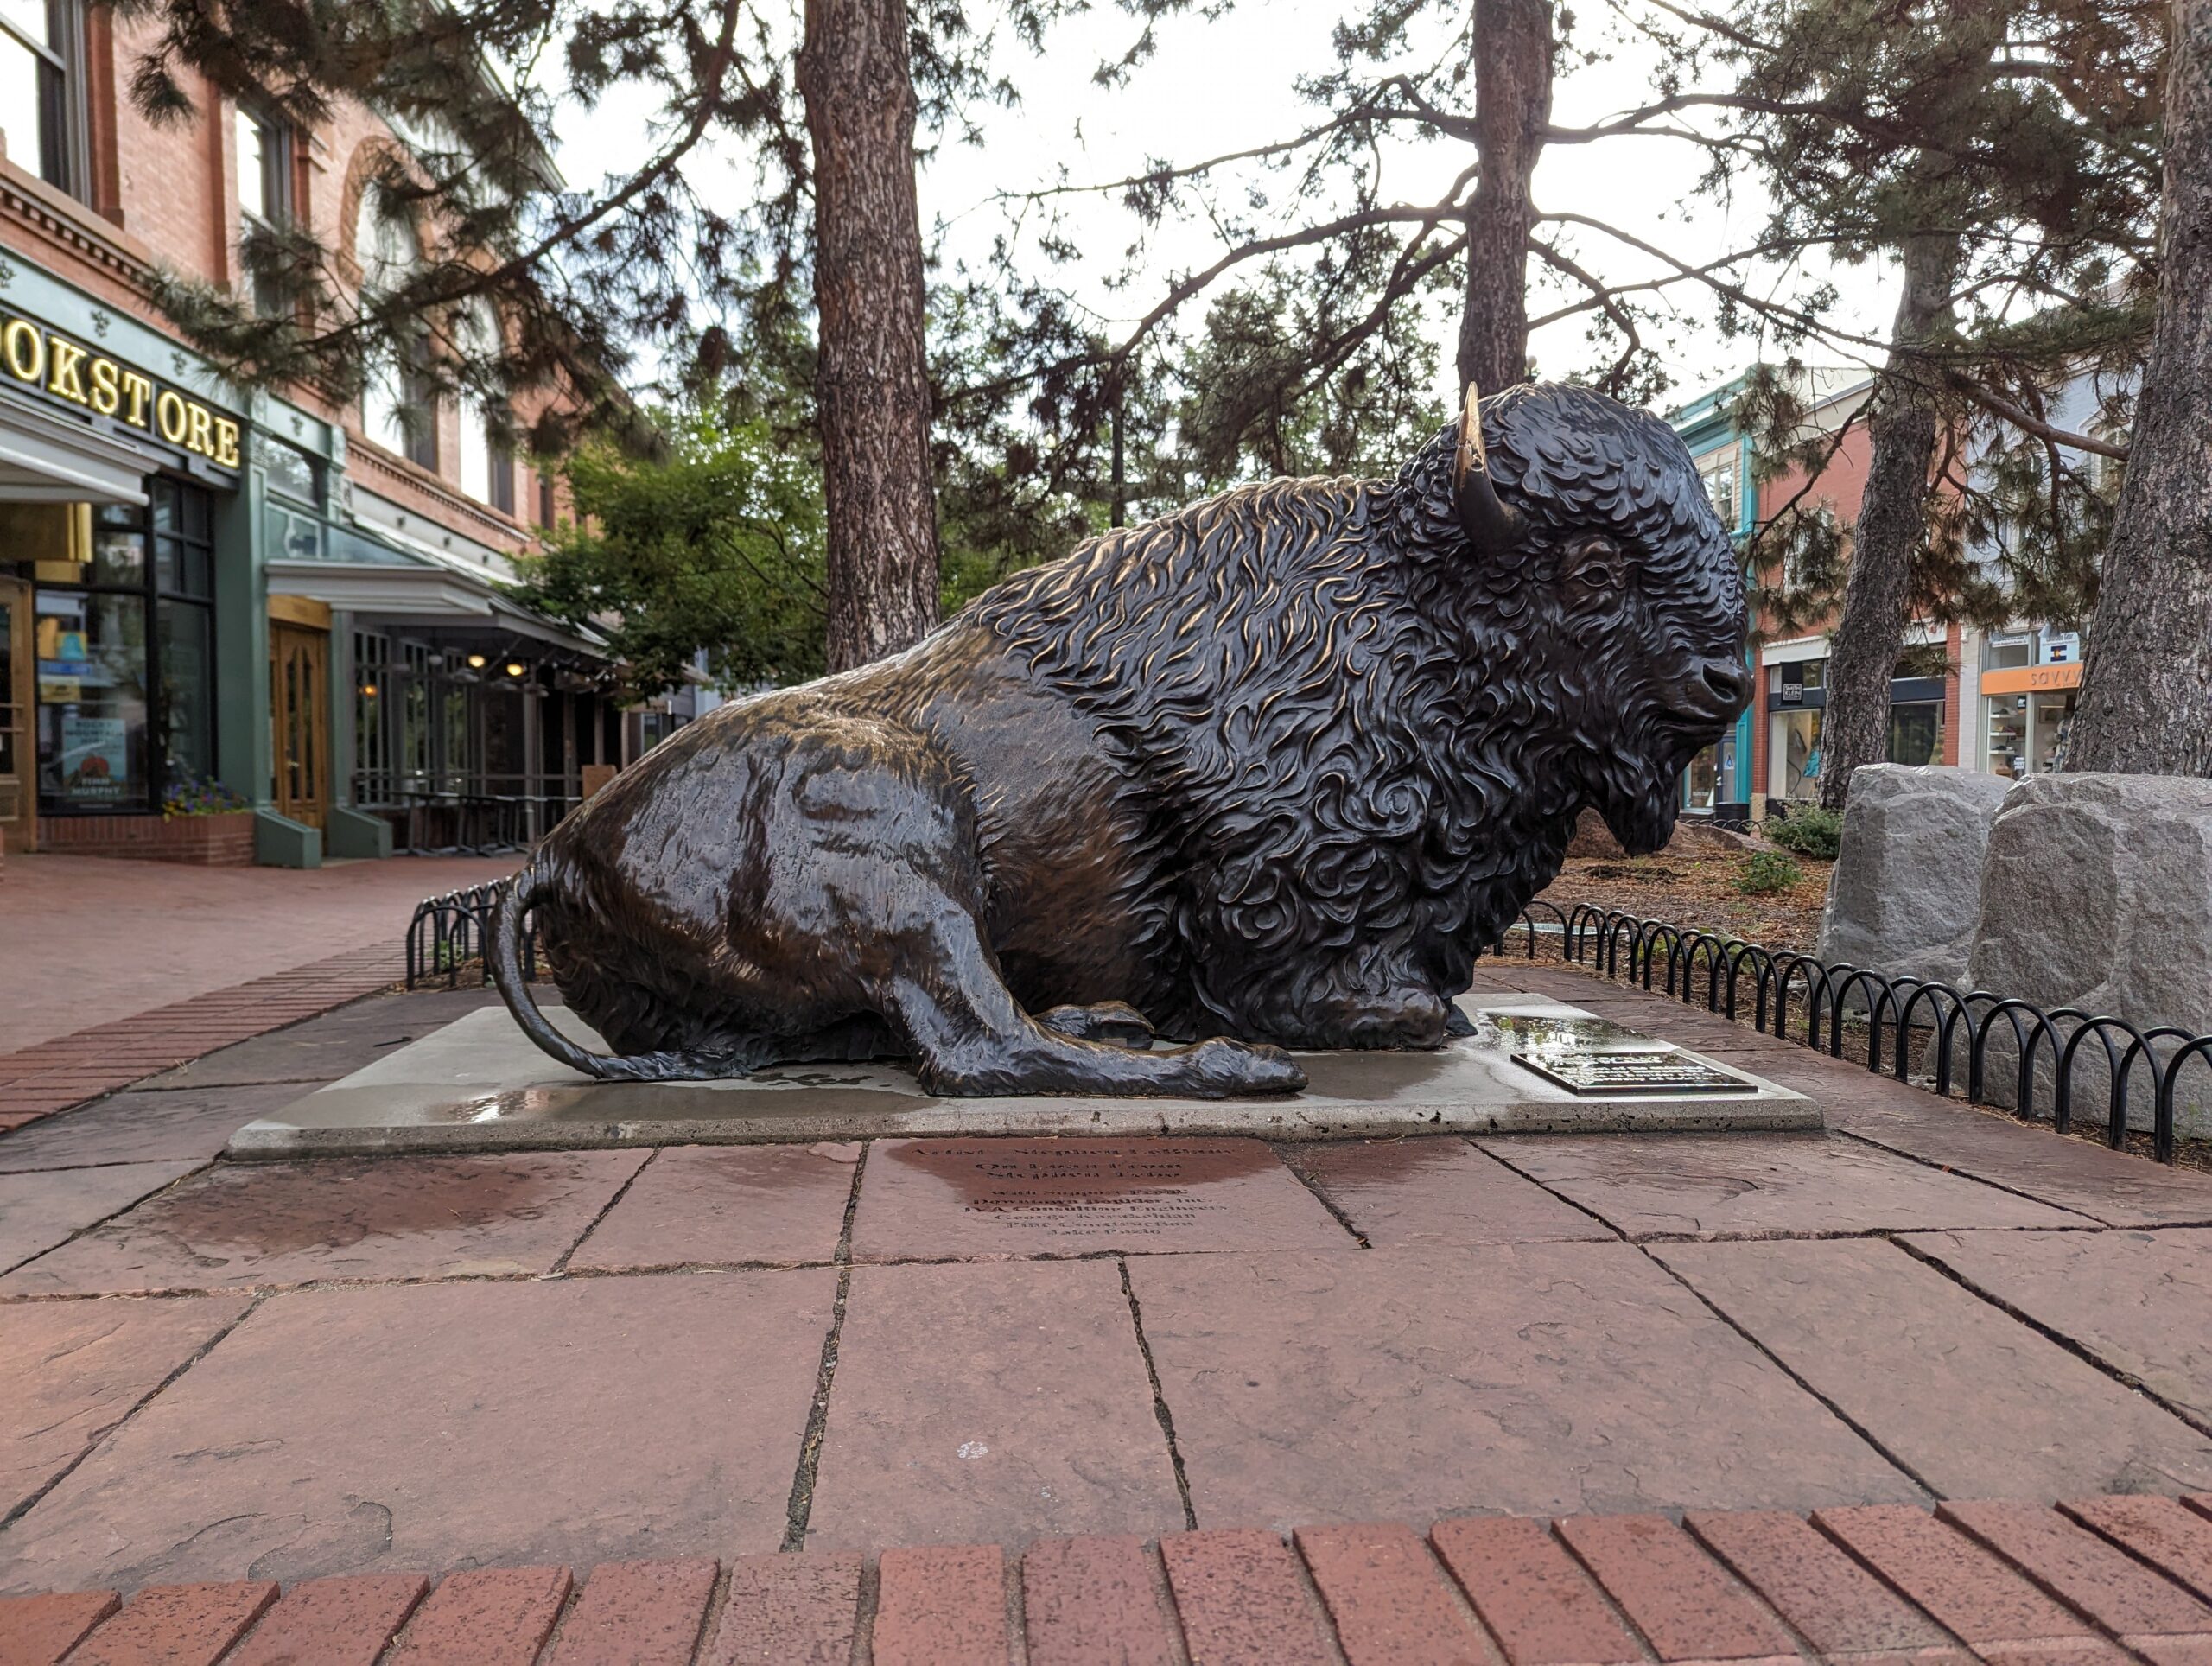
(299, 688)
(18, 739)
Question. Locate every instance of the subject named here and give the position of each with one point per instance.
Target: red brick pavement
(2101, 1579)
(37, 1081)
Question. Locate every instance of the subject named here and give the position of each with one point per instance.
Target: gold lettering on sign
(68, 370)
(140, 392)
(65, 380)
(25, 346)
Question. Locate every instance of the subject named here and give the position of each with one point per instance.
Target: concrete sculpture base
(480, 1085)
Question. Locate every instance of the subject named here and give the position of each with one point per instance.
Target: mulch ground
(1700, 889)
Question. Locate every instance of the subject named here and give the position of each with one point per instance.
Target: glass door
(18, 789)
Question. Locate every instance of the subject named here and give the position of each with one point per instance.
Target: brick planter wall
(204, 841)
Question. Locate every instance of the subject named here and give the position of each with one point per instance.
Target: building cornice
(369, 464)
(58, 218)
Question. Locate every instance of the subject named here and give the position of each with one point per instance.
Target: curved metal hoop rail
(449, 931)
(1916, 1031)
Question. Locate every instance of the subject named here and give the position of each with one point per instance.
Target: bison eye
(1595, 564)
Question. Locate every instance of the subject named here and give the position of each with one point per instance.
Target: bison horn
(1491, 526)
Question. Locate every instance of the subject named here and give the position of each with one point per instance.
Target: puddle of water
(1554, 1035)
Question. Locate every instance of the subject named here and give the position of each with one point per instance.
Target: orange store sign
(40, 358)
(2031, 679)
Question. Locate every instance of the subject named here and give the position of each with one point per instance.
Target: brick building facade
(213, 597)
(2000, 702)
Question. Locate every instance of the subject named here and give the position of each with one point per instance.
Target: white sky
(1221, 85)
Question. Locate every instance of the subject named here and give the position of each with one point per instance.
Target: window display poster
(95, 756)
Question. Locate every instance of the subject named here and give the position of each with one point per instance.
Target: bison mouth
(1638, 789)
(1642, 819)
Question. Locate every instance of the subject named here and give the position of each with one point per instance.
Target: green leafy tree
(714, 546)
(579, 278)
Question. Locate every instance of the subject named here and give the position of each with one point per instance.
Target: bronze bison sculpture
(1275, 769)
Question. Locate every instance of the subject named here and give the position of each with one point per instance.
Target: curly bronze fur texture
(1276, 767)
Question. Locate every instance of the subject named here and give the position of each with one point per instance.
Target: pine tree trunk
(1513, 103)
(872, 378)
(1893, 515)
(2146, 686)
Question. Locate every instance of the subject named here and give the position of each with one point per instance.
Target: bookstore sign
(47, 362)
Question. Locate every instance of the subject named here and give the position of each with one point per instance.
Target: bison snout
(1724, 687)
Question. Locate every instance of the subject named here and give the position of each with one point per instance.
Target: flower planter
(219, 841)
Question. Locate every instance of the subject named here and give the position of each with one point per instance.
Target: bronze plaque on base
(1590, 1074)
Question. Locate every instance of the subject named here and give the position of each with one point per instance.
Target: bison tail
(514, 984)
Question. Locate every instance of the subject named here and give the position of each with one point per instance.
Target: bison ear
(1493, 528)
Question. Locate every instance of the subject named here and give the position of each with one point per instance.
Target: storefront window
(2053, 715)
(2025, 730)
(2008, 734)
(118, 549)
(1916, 734)
(187, 662)
(1797, 749)
(92, 701)
(106, 693)
(1700, 786)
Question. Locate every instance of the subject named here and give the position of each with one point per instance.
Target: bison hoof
(1226, 1066)
(1113, 1021)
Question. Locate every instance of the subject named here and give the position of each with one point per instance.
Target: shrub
(1809, 830)
(1765, 871)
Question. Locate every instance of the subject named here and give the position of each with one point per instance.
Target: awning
(440, 598)
(48, 458)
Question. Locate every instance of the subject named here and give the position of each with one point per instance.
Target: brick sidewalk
(37, 1081)
(91, 941)
(563, 1360)
(2106, 1580)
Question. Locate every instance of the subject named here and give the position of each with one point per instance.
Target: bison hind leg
(1115, 1021)
(968, 1035)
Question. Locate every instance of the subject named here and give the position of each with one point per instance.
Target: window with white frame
(264, 171)
(1719, 473)
(40, 90)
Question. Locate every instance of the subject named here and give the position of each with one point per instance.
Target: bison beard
(1275, 768)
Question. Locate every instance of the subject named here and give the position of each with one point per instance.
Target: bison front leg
(1313, 1017)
